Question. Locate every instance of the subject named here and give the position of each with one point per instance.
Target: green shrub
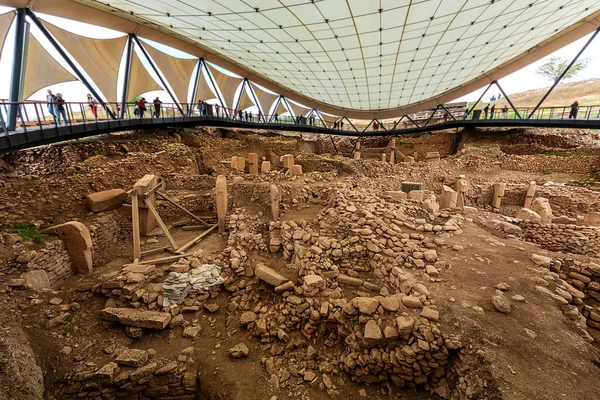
(28, 231)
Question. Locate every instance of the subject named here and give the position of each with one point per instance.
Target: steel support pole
(590, 40)
(277, 102)
(125, 92)
(18, 67)
(215, 88)
(431, 116)
(68, 60)
(239, 99)
(195, 88)
(508, 100)
(448, 111)
(254, 97)
(351, 124)
(157, 72)
(480, 97)
(320, 117)
(411, 120)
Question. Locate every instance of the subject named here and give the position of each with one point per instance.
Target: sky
(522, 80)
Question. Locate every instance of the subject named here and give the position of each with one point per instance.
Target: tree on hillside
(555, 66)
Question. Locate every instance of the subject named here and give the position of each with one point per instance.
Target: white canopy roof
(365, 54)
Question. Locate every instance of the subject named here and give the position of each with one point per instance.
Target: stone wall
(53, 258)
(563, 238)
(137, 375)
(537, 163)
(569, 200)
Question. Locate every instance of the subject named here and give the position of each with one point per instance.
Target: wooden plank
(154, 189)
(192, 227)
(181, 208)
(161, 223)
(135, 217)
(154, 251)
(197, 238)
(165, 260)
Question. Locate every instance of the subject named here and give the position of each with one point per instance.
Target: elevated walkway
(42, 132)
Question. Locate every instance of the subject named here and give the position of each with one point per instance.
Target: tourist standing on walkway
(574, 110)
(61, 110)
(504, 112)
(375, 126)
(492, 111)
(485, 111)
(157, 103)
(142, 106)
(275, 116)
(93, 105)
(250, 116)
(217, 110)
(51, 99)
(341, 125)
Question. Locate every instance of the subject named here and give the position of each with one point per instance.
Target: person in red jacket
(142, 106)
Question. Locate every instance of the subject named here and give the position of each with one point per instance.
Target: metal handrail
(39, 113)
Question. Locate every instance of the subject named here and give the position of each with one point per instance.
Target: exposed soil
(541, 349)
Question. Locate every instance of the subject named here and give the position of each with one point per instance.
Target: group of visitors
(338, 125)
(141, 106)
(57, 107)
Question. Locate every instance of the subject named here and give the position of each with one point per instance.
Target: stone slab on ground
(132, 358)
(269, 275)
(137, 318)
(37, 279)
(106, 200)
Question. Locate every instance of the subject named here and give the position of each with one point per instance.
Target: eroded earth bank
(392, 268)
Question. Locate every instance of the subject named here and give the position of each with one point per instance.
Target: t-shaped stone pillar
(448, 198)
(288, 160)
(222, 203)
(238, 163)
(357, 155)
(296, 170)
(253, 163)
(78, 243)
(265, 167)
(275, 198)
(141, 187)
(529, 195)
(499, 189)
(461, 190)
(383, 157)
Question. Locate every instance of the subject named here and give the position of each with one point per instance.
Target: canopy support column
(125, 92)
(509, 101)
(590, 40)
(18, 69)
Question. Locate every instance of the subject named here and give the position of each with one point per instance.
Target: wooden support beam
(135, 217)
(165, 260)
(154, 189)
(197, 238)
(161, 223)
(170, 201)
(192, 227)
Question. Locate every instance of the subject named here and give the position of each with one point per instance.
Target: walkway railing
(40, 122)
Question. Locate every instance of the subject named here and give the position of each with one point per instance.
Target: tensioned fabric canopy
(100, 58)
(42, 70)
(359, 58)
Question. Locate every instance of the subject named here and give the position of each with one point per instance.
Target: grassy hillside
(587, 93)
